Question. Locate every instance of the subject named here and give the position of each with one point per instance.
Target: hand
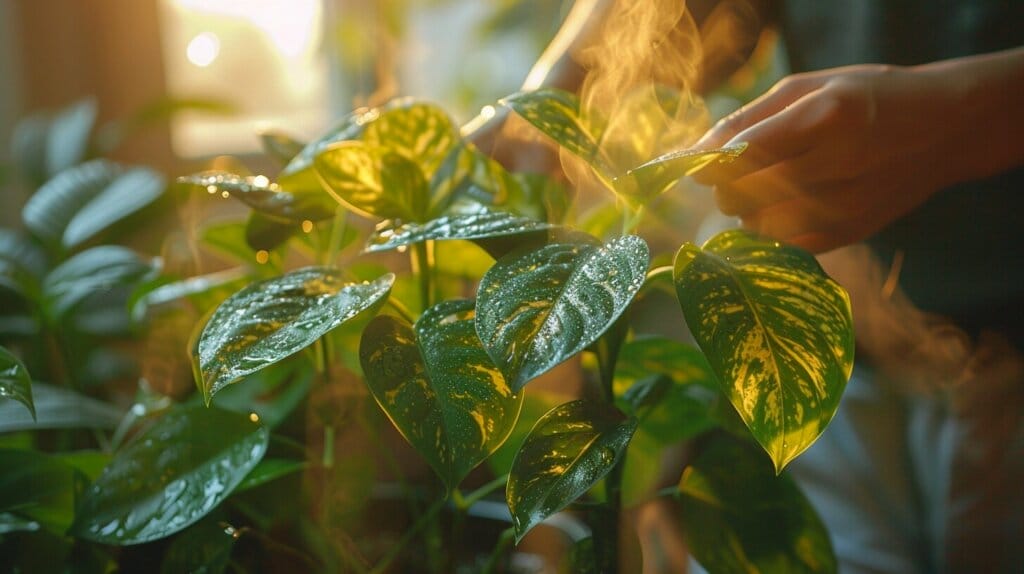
(835, 156)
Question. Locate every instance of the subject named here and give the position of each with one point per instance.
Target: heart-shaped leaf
(556, 113)
(540, 307)
(172, 475)
(439, 388)
(274, 319)
(15, 382)
(373, 181)
(569, 449)
(421, 133)
(269, 198)
(776, 330)
(663, 171)
(740, 518)
(472, 222)
(81, 201)
(89, 272)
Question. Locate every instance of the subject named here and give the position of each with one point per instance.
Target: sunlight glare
(203, 49)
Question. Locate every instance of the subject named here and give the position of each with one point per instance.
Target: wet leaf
(776, 330)
(273, 393)
(439, 388)
(38, 487)
(14, 523)
(15, 382)
(274, 319)
(556, 113)
(373, 181)
(175, 473)
(204, 548)
(571, 448)
(538, 308)
(660, 173)
(741, 518)
(421, 133)
(265, 196)
(472, 222)
(79, 202)
(92, 271)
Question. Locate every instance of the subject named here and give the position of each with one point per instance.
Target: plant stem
(423, 267)
(424, 519)
(338, 226)
(401, 309)
(631, 218)
(504, 542)
(606, 529)
(485, 490)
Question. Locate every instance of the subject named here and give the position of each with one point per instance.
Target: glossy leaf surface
(661, 172)
(58, 408)
(92, 271)
(172, 475)
(373, 181)
(776, 330)
(472, 222)
(420, 132)
(80, 202)
(265, 196)
(741, 518)
(556, 113)
(538, 308)
(39, 487)
(15, 382)
(569, 449)
(273, 319)
(439, 388)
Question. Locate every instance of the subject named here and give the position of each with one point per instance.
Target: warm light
(488, 112)
(260, 181)
(262, 256)
(203, 49)
(254, 417)
(307, 226)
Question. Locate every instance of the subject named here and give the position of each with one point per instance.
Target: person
(896, 147)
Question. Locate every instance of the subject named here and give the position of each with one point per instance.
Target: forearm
(986, 125)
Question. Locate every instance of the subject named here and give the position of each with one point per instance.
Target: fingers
(817, 222)
(772, 102)
(779, 182)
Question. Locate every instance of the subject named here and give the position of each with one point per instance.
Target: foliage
(450, 357)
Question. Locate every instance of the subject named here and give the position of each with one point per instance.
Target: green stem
(505, 541)
(423, 267)
(606, 529)
(338, 226)
(631, 218)
(484, 491)
(401, 309)
(424, 519)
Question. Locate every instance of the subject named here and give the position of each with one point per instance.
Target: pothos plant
(450, 362)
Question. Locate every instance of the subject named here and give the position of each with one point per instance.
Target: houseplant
(448, 354)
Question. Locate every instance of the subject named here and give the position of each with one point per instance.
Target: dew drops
(262, 256)
(225, 194)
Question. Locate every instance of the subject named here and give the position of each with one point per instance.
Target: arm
(835, 156)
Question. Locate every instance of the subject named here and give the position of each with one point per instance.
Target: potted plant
(448, 344)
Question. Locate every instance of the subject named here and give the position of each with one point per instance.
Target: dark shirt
(962, 250)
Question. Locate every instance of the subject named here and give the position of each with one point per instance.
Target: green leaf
(263, 233)
(571, 448)
(272, 393)
(58, 408)
(373, 181)
(657, 175)
(536, 402)
(15, 382)
(776, 330)
(439, 388)
(268, 470)
(273, 319)
(13, 523)
(556, 113)
(280, 146)
(204, 548)
(421, 133)
(227, 240)
(472, 222)
(269, 198)
(348, 128)
(539, 308)
(39, 487)
(22, 264)
(81, 201)
(92, 271)
(740, 518)
(67, 139)
(172, 475)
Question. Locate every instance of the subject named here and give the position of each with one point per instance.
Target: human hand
(835, 156)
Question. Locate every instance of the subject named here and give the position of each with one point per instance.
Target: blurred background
(188, 79)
